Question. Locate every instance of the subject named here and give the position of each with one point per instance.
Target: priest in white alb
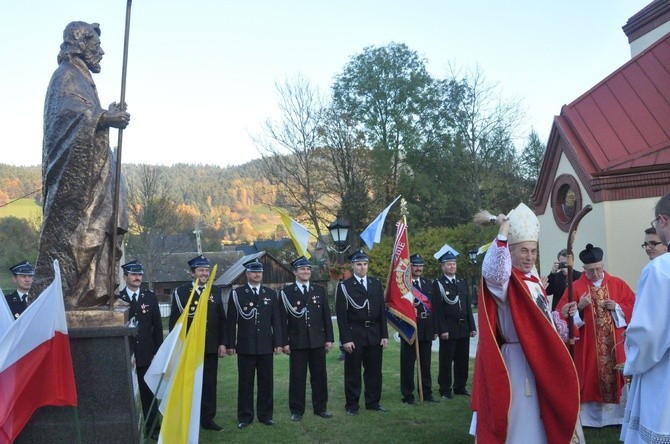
(647, 344)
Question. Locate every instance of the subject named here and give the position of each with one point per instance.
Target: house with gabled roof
(610, 148)
(262, 245)
(172, 270)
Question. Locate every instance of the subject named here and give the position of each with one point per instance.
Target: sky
(202, 74)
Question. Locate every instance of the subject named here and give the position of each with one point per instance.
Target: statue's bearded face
(92, 54)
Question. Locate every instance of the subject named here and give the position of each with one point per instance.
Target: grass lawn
(402, 424)
(447, 421)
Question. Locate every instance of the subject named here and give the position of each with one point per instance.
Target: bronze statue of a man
(78, 174)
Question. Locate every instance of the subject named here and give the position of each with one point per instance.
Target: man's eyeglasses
(651, 244)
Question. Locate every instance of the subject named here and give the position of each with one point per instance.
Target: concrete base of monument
(108, 410)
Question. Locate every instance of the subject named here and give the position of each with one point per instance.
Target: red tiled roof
(627, 114)
(619, 128)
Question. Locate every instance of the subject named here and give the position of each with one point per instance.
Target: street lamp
(472, 255)
(339, 230)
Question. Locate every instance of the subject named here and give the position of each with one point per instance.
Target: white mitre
(523, 225)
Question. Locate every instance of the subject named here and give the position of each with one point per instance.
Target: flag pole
(154, 401)
(418, 365)
(117, 183)
(419, 384)
(77, 424)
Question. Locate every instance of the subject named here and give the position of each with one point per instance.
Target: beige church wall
(617, 227)
(552, 238)
(625, 222)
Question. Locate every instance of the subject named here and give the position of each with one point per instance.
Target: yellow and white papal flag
(299, 234)
(180, 403)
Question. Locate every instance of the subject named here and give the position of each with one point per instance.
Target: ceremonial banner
(399, 295)
(35, 361)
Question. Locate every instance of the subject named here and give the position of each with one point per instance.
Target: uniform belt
(366, 323)
(461, 321)
(423, 315)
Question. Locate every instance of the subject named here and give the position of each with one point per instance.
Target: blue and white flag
(373, 233)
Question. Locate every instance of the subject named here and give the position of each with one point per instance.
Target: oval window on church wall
(566, 200)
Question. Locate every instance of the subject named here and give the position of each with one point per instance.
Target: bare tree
(348, 173)
(486, 127)
(153, 217)
(289, 151)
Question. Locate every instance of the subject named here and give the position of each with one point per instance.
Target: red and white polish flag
(6, 318)
(35, 361)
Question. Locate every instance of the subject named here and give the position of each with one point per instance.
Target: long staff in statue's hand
(569, 265)
(117, 183)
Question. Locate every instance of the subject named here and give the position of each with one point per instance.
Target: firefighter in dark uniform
(425, 334)
(215, 338)
(308, 336)
(455, 325)
(145, 314)
(359, 304)
(254, 333)
(22, 276)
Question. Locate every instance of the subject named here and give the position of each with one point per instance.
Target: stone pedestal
(108, 408)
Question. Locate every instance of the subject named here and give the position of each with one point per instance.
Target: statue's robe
(78, 181)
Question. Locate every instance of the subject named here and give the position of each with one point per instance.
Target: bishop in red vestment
(526, 387)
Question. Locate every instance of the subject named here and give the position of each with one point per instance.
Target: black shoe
(243, 425)
(463, 392)
(269, 422)
(211, 425)
(409, 400)
(295, 417)
(430, 398)
(377, 409)
(447, 395)
(324, 414)
(352, 412)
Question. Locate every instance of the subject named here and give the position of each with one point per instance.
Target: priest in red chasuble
(603, 305)
(525, 383)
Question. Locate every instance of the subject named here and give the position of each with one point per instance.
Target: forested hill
(191, 183)
(231, 205)
(231, 202)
